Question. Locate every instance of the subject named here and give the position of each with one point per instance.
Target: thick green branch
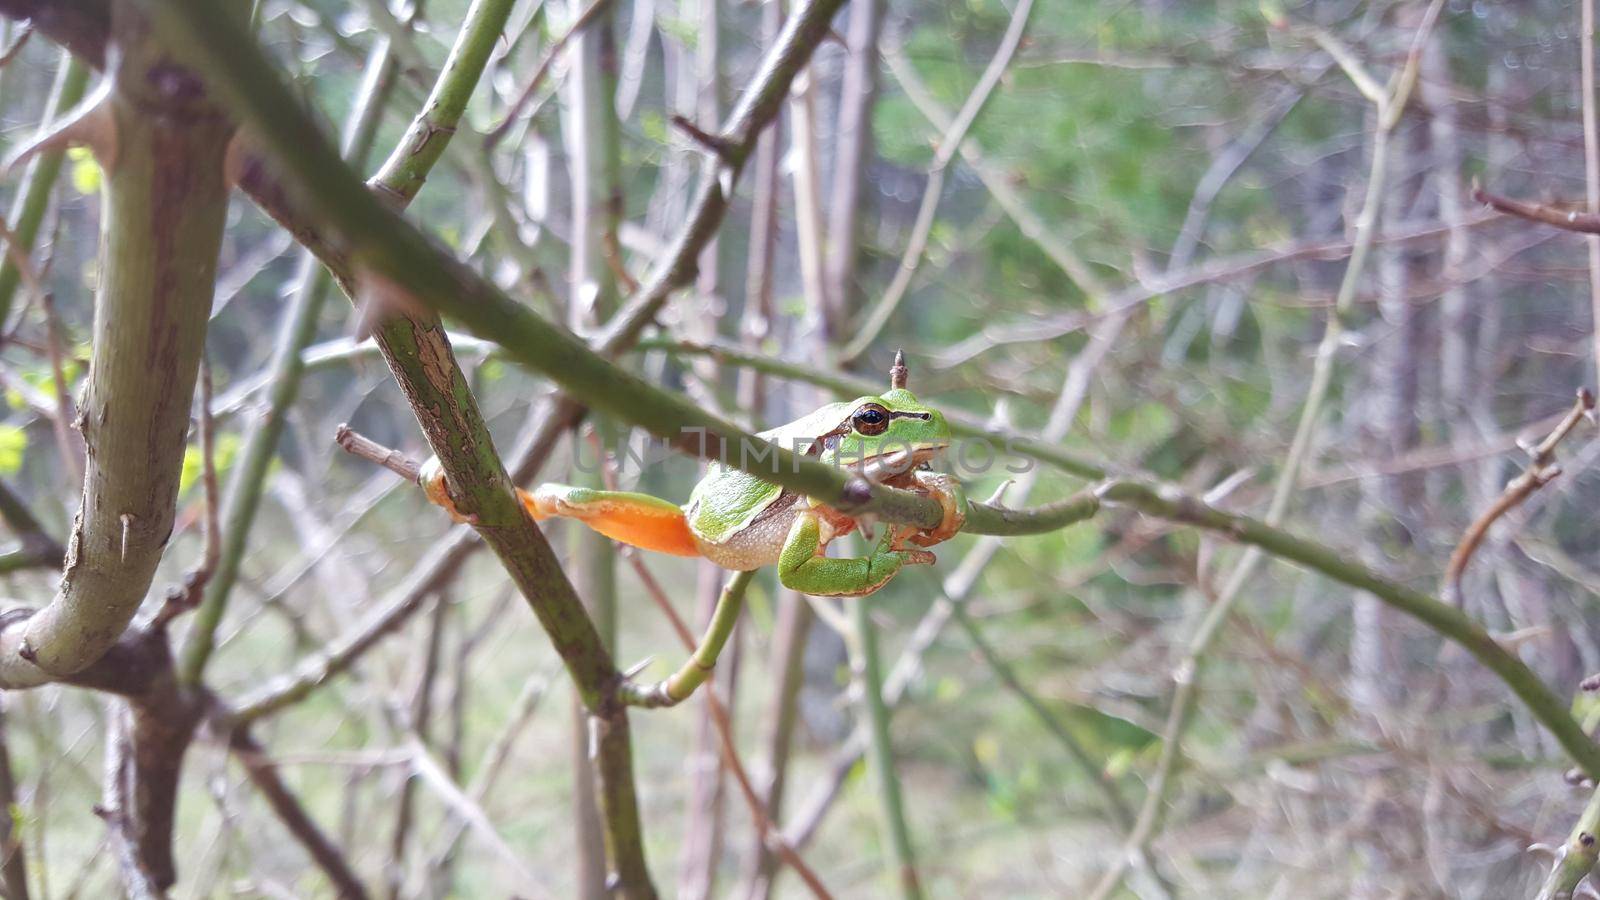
(164, 203)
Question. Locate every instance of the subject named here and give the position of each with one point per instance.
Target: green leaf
(85, 170)
(13, 441)
(227, 449)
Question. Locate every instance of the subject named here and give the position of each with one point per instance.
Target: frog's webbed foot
(431, 477)
(952, 499)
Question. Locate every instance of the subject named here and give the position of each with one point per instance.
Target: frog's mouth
(898, 464)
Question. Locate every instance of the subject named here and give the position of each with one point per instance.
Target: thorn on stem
(997, 499)
(715, 144)
(898, 374)
(127, 525)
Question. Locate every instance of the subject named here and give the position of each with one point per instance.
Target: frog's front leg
(639, 520)
(802, 567)
(952, 499)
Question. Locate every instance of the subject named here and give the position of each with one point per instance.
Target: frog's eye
(870, 419)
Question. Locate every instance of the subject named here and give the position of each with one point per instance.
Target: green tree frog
(739, 521)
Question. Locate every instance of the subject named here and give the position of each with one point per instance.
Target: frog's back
(739, 521)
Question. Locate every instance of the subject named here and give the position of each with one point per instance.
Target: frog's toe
(917, 558)
(431, 477)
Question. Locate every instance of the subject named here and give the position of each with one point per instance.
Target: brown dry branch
(1541, 469)
(362, 447)
(263, 775)
(186, 596)
(1557, 215)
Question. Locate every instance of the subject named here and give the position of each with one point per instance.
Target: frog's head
(892, 431)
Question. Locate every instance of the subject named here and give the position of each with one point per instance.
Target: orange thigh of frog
(640, 520)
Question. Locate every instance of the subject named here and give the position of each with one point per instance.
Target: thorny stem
(406, 269)
(1576, 858)
(165, 200)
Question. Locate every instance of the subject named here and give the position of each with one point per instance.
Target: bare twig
(186, 596)
(949, 143)
(715, 144)
(10, 53)
(263, 774)
(540, 72)
(1558, 215)
(1541, 469)
(363, 447)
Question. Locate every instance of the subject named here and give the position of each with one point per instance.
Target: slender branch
(1449, 622)
(949, 143)
(868, 664)
(407, 167)
(540, 72)
(263, 774)
(408, 270)
(1540, 470)
(38, 182)
(1556, 215)
(771, 838)
(680, 685)
(1185, 677)
(435, 570)
(362, 447)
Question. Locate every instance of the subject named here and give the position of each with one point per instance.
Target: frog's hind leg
(641, 520)
(802, 566)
